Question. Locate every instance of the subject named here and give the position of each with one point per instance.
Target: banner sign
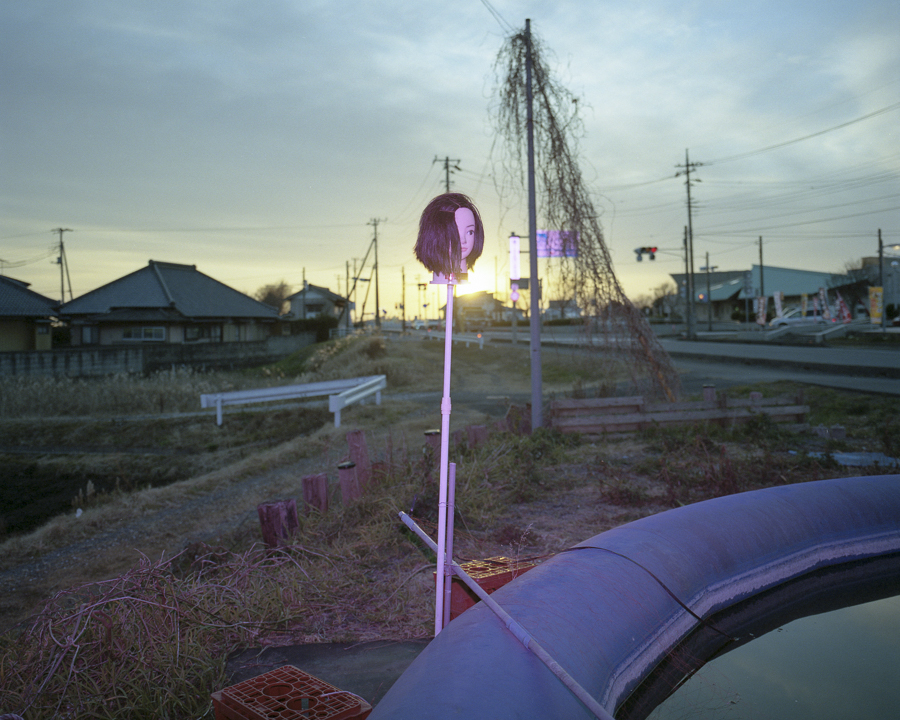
(514, 261)
(778, 297)
(876, 304)
(762, 306)
(823, 301)
(557, 243)
(843, 309)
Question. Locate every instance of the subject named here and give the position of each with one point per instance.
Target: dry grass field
(130, 609)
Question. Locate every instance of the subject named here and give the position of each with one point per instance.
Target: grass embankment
(151, 640)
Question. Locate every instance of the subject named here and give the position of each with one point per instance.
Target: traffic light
(651, 251)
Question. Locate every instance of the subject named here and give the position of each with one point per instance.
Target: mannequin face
(465, 223)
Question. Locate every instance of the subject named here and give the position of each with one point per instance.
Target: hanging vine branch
(612, 322)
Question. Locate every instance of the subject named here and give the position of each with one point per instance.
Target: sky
(265, 140)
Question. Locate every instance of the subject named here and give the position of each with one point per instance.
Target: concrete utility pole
(688, 300)
(709, 305)
(688, 166)
(537, 395)
(880, 282)
(374, 223)
(64, 265)
(403, 299)
(762, 284)
(447, 169)
(347, 288)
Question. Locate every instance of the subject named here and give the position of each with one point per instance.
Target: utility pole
(64, 265)
(880, 282)
(688, 300)
(709, 305)
(374, 223)
(447, 168)
(347, 288)
(403, 299)
(537, 396)
(762, 284)
(688, 166)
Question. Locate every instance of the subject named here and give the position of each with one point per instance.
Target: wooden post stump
(709, 393)
(349, 483)
(359, 454)
(278, 521)
(433, 443)
(315, 493)
(478, 435)
(518, 419)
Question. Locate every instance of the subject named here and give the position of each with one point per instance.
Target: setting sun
(479, 281)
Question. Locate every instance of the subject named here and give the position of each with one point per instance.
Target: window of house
(150, 334)
(198, 333)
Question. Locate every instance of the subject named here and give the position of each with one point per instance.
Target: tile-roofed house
(24, 317)
(167, 302)
(315, 301)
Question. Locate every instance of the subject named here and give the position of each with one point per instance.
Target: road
(728, 364)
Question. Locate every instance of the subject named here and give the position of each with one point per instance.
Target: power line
(740, 156)
(498, 17)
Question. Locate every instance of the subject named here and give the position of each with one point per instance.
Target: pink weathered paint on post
(278, 521)
(359, 454)
(349, 483)
(315, 493)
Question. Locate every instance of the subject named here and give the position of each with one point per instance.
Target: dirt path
(163, 521)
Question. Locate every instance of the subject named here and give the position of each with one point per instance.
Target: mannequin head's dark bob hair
(438, 244)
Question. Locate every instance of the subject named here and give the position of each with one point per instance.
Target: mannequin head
(451, 236)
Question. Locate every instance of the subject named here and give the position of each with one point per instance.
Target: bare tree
(565, 203)
(274, 294)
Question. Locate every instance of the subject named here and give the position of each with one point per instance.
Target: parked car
(797, 317)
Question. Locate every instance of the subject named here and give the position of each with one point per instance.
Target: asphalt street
(726, 364)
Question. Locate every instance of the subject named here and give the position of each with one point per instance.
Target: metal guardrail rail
(341, 393)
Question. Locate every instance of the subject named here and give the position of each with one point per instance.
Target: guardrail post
(218, 411)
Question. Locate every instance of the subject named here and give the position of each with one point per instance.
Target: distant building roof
(318, 291)
(16, 300)
(172, 288)
(729, 284)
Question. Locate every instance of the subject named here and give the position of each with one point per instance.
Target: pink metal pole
(448, 553)
(445, 453)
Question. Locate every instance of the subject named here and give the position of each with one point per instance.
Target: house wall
(173, 334)
(16, 335)
(144, 358)
(312, 304)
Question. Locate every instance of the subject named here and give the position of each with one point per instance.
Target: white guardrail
(457, 337)
(341, 393)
